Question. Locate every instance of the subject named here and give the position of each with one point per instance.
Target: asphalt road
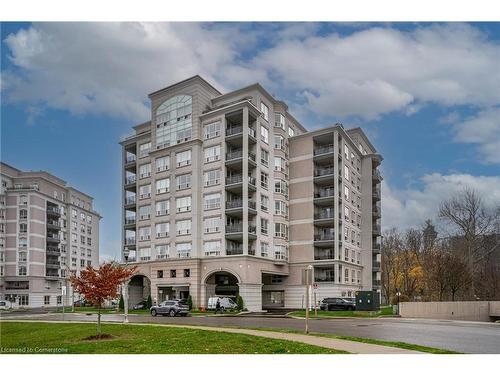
(464, 337)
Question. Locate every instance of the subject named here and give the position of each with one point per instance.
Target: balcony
(53, 238)
(324, 217)
(235, 183)
(376, 266)
(324, 175)
(130, 201)
(53, 211)
(51, 250)
(376, 229)
(130, 180)
(281, 255)
(53, 225)
(130, 222)
(324, 239)
(323, 152)
(130, 242)
(53, 265)
(376, 283)
(324, 196)
(235, 155)
(234, 250)
(376, 212)
(376, 194)
(324, 254)
(376, 176)
(130, 162)
(236, 231)
(236, 207)
(376, 248)
(234, 131)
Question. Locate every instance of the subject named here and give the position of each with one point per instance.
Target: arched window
(174, 121)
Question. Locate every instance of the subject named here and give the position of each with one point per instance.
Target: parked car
(139, 306)
(225, 303)
(80, 303)
(329, 304)
(170, 308)
(5, 305)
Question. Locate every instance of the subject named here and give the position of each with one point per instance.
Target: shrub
(239, 303)
(190, 302)
(149, 303)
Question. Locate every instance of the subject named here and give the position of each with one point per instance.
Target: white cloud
(411, 207)
(108, 68)
(482, 129)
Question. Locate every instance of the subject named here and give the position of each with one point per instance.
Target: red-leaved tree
(100, 284)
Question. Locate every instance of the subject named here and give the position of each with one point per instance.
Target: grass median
(384, 311)
(72, 338)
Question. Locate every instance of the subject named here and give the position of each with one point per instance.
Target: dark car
(140, 306)
(329, 304)
(170, 308)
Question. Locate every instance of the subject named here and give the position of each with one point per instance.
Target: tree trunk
(99, 322)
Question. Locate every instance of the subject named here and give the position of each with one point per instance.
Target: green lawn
(130, 339)
(384, 311)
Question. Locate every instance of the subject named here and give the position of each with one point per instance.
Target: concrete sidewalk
(325, 342)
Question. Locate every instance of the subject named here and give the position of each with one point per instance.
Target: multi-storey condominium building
(47, 229)
(228, 194)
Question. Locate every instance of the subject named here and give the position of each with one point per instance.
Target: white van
(225, 303)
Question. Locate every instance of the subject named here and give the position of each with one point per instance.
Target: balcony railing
(376, 228)
(130, 200)
(130, 159)
(324, 171)
(324, 237)
(234, 204)
(234, 228)
(130, 241)
(326, 214)
(376, 175)
(320, 150)
(52, 237)
(234, 130)
(324, 193)
(234, 250)
(236, 179)
(325, 254)
(251, 156)
(236, 154)
(53, 210)
(376, 283)
(251, 180)
(130, 220)
(130, 180)
(376, 264)
(280, 255)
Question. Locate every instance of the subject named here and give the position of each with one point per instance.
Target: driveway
(465, 337)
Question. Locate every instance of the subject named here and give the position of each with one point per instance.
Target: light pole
(125, 291)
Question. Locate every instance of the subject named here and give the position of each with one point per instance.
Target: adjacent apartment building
(47, 229)
(228, 194)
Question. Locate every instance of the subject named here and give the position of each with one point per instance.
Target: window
(162, 251)
(89, 241)
(23, 228)
(346, 192)
(21, 271)
(183, 227)
(162, 186)
(82, 240)
(23, 242)
(162, 207)
(74, 237)
(145, 191)
(159, 274)
(23, 256)
(23, 200)
(346, 172)
(183, 204)
(23, 300)
(174, 121)
(264, 157)
(212, 224)
(212, 248)
(184, 181)
(145, 253)
(82, 228)
(144, 212)
(280, 208)
(264, 223)
(291, 132)
(280, 164)
(280, 143)
(346, 275)
(346, 152)
(280, 252)
(212, 130)
(264, 180)
(23, 214)
(212, 177)
(264, 134)
(346, 213)
(74, 213)
(187, 272)
(212, 154)
(82, 263)
(184, 250)
(59, 300)
(281, 186)
(82, 216)
(264, 249)
(144, 233)
(162, 164)
(183, 158)
(144, 149)
(280, 230)
(162, 229)
(145, 170)
(265, 111)
(279, 121)
(264, 203)
(212, 201)
(173, 273)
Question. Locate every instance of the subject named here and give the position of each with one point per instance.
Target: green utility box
(367, 300)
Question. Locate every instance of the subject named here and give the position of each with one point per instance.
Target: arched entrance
(221, 283)
(139, 289)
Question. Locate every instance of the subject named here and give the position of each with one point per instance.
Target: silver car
(171, 308)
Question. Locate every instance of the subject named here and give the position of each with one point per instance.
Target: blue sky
(426, 94)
